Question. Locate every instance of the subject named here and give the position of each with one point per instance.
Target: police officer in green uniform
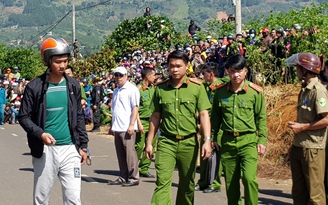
(145, 110)
(176, 102)
(307, 155)
(239, 111)
(210, 72)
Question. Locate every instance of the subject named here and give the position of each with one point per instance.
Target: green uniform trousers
(171, 152)
(105, 120)
(141, 140)
(308, 170)
(239, 157)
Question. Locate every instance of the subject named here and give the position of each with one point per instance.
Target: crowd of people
(12, 87)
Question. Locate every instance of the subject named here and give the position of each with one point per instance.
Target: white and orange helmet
(54, 46)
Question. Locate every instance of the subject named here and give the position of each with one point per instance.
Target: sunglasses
(118, 75)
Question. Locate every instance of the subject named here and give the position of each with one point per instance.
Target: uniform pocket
(188, 106)
(245, 110)
(168, 105)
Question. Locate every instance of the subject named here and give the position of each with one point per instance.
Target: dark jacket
(193, 28)
(97, 95)
(32, 114)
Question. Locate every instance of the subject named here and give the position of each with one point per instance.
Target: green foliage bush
(27, 60)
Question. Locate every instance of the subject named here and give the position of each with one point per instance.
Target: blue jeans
(13, 118)
(2, 114)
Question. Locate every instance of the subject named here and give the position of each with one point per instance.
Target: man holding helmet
(307, 155)
(51, 114)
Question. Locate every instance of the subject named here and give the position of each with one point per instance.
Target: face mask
(252, 35)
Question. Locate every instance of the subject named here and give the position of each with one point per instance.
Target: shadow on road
(272, 202)
(108, 172)
(273, 192)
(26, 169)
(94, 179)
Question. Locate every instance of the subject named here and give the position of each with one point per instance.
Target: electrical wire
(93, 5)
(50, 28)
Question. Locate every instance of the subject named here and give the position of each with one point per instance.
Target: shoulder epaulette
(194, 80)
(256, 87)
(161, 82)
(220, 85)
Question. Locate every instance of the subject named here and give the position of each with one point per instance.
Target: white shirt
(124, 100)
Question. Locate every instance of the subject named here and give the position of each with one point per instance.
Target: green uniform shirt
(244, 111)
(312, 101)
(178, 106)
(211, 88)
(146, 98)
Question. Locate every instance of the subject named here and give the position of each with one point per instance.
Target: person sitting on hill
(193, 28)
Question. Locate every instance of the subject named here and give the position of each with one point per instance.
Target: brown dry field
(281, 107)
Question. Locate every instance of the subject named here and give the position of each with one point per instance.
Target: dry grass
(281, 107)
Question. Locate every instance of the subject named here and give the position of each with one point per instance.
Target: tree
(28, 61)
(133, 34)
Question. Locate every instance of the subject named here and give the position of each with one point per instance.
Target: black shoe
(130, 183)
(211, 190)
(147, 175)
(95, 130)
(116, 182)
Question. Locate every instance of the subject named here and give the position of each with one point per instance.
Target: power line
(93, 5)
(50, 28)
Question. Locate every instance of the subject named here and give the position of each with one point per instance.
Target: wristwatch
(85, 150)
(207, 138)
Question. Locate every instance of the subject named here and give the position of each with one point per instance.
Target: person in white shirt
(125, 106)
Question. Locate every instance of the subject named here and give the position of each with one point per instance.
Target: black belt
(179, 137)
(237, 134)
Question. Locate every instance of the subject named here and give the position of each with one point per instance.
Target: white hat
(13, 97)
(209, 37)
(146, 62)
(121, 70)
(109, 91)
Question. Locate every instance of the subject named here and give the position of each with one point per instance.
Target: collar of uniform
(185, 81)
(143, 87)
(311, 85)
(244, 88)
(215, 83)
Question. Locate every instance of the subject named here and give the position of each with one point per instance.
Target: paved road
(17, 177)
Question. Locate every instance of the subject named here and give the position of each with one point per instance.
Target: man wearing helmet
(97, 98)
(230, 50)
(307, 155)
(51, 114)
(252, 35)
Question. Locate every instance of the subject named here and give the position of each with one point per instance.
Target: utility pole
(73, 22)
(238, 15)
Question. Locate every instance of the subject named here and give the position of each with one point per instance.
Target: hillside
(25, 22)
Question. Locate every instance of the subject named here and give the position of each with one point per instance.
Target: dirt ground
(281, 107)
